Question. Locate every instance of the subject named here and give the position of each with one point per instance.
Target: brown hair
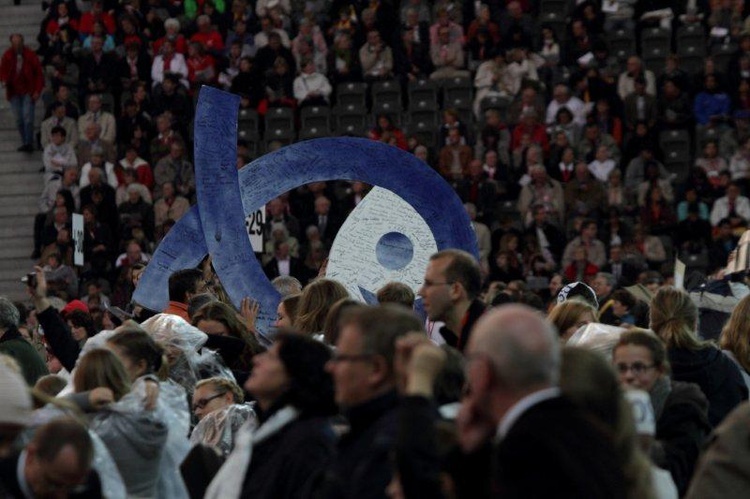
(674, 318)
(224, 314)
(648, 340)
(315, 302)
(567, 314)
(101, 368)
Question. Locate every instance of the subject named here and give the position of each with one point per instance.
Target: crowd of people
(567, 360)
(353, 400)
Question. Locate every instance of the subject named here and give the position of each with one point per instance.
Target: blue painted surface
(224, 198)
(394, 251)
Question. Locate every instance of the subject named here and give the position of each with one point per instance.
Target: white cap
(643, 411)
(15, 396)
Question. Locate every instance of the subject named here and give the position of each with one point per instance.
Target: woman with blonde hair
(316, 300)
(674, 318)
(588, 380)
(571, 315)
(735, 338)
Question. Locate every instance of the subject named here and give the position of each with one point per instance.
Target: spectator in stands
(584, 195)
(516, 27)
(161, 145)
(711, 163)
(98, 71)
(97, 160)
(241, 36)
(96, 14)
(266, 34)
(48, 200)
(563, 99)
(134, 67)
(177, 169)
(635, 173)
(310, 43)
(376, 58)
(172, 33)
(657, 215)
(520, 69)
(592, 139)
(733, 206)
(58, 118)
(173, 99)
(602, 165)
(454, 157)
(21, 73)
(530, 130)
(95, 114)
(413, 59)
(169, 61)
(595, 251)
(550, 237)
(545, 191)
(208, 36)
(91, 139)
(129, 178)
(674, 109)
(447, 56)
(201, 66)
(171, 206)
(136, 216)
(310, 87)
(58, 154)
(62, 96)
(530, 99)
(580, 268)
(739, 165)
(626, 81)
(639, 105)
(62, 280)
(712, 106)
(102, 195)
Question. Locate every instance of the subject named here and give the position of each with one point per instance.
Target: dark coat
(58, 336)
(363, 466)
(717, 376)
(459, 341)
(554, 450)
(10, 488)
(681, 430)
(290, 463)
(32, 365)
(296, 269)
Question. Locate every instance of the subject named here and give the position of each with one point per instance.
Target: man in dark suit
(327, 222)
(542, 445)
(282, 264)
(624, 272)
(549, 236)
(57, 462)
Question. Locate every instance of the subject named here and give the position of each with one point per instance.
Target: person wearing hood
(674, 318)
(680, 409)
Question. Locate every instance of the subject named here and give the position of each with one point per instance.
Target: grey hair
(173, 22)
(522, 367)
(9, 315)
(611, 280)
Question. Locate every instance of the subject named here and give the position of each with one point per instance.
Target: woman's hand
(101, 397)
(249, 310)
(152, 394)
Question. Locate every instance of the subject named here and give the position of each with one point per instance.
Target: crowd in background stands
(573, 154)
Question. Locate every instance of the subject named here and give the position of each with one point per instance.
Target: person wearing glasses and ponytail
(680, 409)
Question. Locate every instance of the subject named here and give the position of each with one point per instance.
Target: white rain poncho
(218, 429)
(183, 342)
(597, 337)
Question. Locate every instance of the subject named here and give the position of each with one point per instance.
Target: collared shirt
(523, 405)
(21, 476)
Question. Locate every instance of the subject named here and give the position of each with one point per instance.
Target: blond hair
(101, 368)
(568, 313)
(735, 336)
(674, 318)
(224, 385)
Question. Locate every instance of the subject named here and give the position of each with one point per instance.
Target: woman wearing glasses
(681, 409)
(289, 448)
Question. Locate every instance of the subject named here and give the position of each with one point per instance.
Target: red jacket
(30, 81)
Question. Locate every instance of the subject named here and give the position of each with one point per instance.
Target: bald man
(542, 446)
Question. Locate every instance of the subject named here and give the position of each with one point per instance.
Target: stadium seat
(722, 54)
(280, 118)
(351, 93)
(283, 136)
(316, 117)
(248, 119)
(656, 38)
(387, 92)
(457, 92)
(423, 94)
(621, 44)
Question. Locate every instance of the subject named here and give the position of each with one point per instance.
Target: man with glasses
(56, 463)
(365, 383)
(449, 293)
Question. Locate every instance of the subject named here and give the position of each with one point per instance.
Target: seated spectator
(58, 118)
(62, 280)
(529, 99)
(170, 206)
(648, 247)
(134, 67)
(483, 22)
(310, 44)
(172, 98)
(98, 73)
(608, 121)
(310, 87)
(343, 60)
(242, 38)
(516, 27)
(454, 157)
(564, 124)
(494, 136)
(443, 21)
(172, 33)
(134, 121)
(691, 201)
(580, 268)
(626, 81)
(58, 154)
(563, 99)
(653, 178)
(712, 105)
(248, 82)
(208, 36)
(161, 145)
(169, 61)
(739, 165)
(140, 168)
(592, 139)
(136, 215)
(520, 68)
(201, 66)
(129, 178)
(99, 30)
(602, 165)
(177, 169)
(62, 96)
(733, 206)
(635, 173)
(492, 79)
(595, 251)
(674, 109)
(269, 52)
(530, 127)
(95, 114)
(376, 58)
(639, 105)
(96, 14)
(711, 163)
(385, 131)
(98, 161)
(413, 59)
(657, 216)
(90, 140)
(584, 195)
(280, 85)
(542, 191)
